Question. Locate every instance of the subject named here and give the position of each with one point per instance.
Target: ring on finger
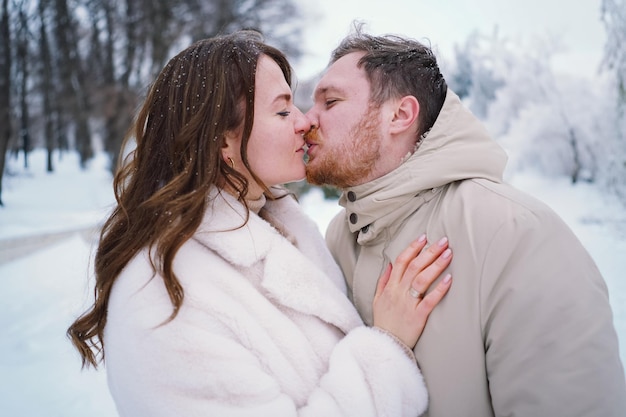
(415, 293)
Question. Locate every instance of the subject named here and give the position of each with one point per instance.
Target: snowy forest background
(72, 73)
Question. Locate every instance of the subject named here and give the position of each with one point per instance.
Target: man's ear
(405, 115)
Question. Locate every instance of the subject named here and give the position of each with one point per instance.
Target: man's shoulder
(490, 196)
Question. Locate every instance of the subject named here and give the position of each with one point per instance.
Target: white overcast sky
(448, 22)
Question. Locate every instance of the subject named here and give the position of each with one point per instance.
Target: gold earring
(231, 162)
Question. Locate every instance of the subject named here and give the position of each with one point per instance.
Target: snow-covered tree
(557, 134)
(614, 126)
(475, 77)
(547, 122)
(611, 127)
(614, 18)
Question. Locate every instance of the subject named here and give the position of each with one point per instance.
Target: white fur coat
(265, 330)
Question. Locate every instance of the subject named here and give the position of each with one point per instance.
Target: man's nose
(312, 119)
(303, 124)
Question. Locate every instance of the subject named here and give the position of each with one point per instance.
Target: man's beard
(350, 162)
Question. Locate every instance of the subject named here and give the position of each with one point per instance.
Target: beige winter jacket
(526, 329)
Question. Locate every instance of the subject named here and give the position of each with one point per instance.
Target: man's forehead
(342, 75)
(347, 64)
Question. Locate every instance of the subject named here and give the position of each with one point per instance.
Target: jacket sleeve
(551, 348)
(368, 375)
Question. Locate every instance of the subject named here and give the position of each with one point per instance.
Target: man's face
(345, 147)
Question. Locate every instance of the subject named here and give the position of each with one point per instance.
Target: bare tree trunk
(576, 157)
(225, 15)
(5, 90)
(131, 29)
(115, 112)
(110, 92)
(22, 58)
(159, 14)
(47, 90)
(72, 79)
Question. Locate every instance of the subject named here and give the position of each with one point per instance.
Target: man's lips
(310, 137)
(310, 147)
(311, 140)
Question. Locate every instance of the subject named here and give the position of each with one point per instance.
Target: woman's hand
(401, 305)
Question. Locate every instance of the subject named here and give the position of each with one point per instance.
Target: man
(526, 329)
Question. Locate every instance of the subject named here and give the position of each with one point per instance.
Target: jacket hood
(457, 147)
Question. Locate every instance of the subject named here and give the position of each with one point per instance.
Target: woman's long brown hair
(162, 186)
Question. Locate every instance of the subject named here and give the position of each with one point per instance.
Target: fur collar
(304, 278)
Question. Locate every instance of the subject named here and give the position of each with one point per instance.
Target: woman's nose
(302, 123)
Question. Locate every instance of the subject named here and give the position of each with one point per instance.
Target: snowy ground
(42, 292)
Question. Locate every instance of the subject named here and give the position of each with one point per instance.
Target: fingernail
(446, 254)
(420, 240)
(443, 241)
(447, 278)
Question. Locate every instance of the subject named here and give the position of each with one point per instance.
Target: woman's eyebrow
(282, 97)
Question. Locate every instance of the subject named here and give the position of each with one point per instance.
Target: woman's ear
(405, 115)
(231, 146)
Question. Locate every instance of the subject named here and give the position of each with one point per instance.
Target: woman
(215, 294)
